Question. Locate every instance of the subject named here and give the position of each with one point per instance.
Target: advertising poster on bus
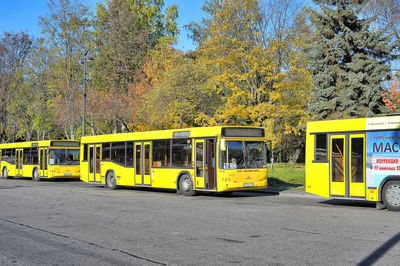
(383, 156)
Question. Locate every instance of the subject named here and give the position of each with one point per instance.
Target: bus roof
(41, 143)
(354, 124)
(216, 131)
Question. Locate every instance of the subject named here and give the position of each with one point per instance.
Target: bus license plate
(67, 174)
(248, 185)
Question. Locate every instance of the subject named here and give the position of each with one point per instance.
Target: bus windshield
(64, 157)
(244, 155)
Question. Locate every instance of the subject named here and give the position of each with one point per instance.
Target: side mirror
(223, 145)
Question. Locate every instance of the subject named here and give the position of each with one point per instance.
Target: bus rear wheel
(111, 181)
(391, 195)
(186, 185)
(5, 173)
(36, 176)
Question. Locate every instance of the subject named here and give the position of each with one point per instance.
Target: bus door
(209, 164)
(138, 164)
(143, 163)
(147, 163)
(94, 158)
(18, 162)
(357, 165)
(199, 159)
(338, 165)
(347, 163)
(43, 161)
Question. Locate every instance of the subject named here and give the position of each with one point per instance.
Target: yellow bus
(214, 159)
(38, 160)
(355, 159)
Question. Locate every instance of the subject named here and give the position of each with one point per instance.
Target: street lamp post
(84, 99)
(84, 60)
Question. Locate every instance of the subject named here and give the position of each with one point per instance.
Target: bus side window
(321, 147)
(106, 149)
(27, 156)
(129, 154)
(85, 152)
(34, 156)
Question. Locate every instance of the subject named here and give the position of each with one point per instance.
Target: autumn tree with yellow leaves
(258, 67)
(181, 91)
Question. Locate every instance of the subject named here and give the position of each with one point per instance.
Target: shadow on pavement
(350, 203)
(380, 251)
(235, 194)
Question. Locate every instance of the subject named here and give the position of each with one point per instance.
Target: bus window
(85, 152)
(129, 154)
(27, 156)
(35, 155)
(118, 152)
(106, 151)
(138, 159)
(64, 157)
(91, 166)
(199, 159)
(161, 153)
(98, 156)
(357, 157)
(181, 153)
(321, 147)
(244, 155)
(337, 160)
(9, 155)
(146, 159)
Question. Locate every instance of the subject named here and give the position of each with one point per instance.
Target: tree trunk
(272, 159)
(294, 156)
(115, 126)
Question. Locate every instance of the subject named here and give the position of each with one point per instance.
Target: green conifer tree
(349, 60)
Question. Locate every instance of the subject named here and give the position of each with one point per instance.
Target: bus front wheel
(391, 195)
(186, 185)
(5, 173)
(111, 181)
(36, 176)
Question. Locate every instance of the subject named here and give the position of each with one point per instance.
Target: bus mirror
(223, 145)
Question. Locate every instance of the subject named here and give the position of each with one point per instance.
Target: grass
(286, 176)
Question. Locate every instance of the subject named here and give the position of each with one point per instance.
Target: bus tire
(186, 185)
(36, 175)
(111, 181)
(391, 195)
(5, 173)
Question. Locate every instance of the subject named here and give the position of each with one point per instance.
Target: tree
(67, 31)
(40, 73)
(181, 91)
(391, 97)
(258, 66)
(14, 49)
(125, 31)
(387, 13)
(349, 62)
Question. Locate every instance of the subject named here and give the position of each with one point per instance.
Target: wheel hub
(186, 185)
(393, 195)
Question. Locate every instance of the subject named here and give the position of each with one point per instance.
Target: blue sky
(22, 15)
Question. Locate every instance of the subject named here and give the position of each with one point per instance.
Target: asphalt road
(73, 223)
